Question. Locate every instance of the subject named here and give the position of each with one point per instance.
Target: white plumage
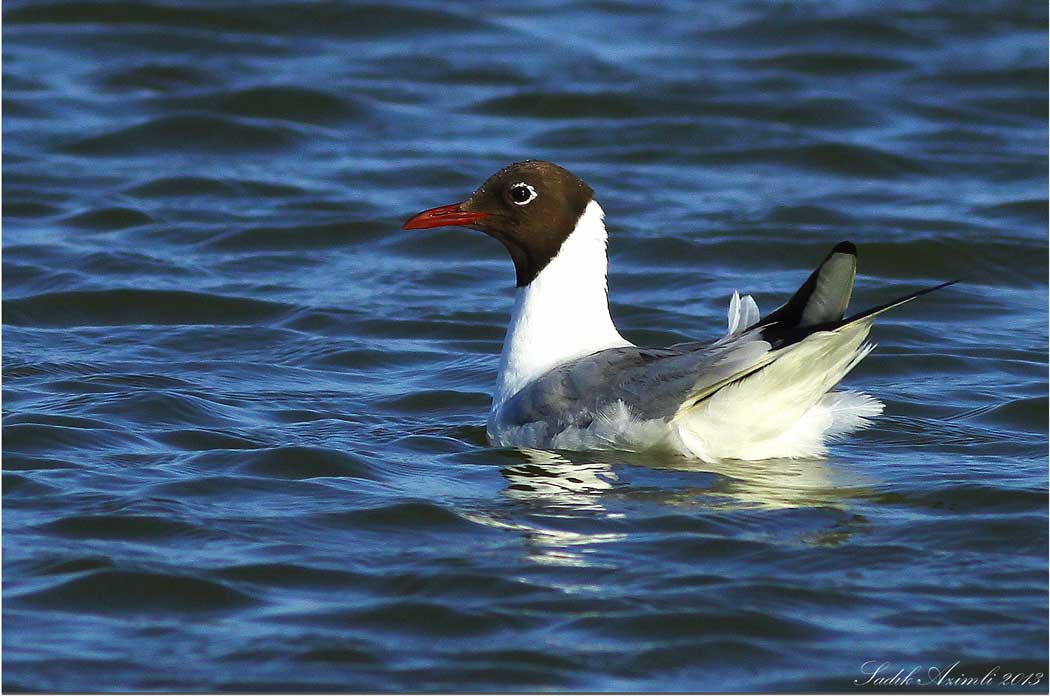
(784, 409)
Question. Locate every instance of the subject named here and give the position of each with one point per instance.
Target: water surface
(244, 412)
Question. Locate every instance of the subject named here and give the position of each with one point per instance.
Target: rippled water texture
(243, 441)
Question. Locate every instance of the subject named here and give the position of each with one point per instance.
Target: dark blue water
(243, 441)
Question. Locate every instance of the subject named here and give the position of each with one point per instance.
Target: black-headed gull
(569, 380)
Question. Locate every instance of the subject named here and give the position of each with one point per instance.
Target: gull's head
(531, 207)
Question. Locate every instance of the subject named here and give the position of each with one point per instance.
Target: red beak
(444, 216)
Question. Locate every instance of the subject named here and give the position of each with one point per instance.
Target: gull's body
(569, 380)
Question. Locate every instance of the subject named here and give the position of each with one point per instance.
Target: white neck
(563, 313)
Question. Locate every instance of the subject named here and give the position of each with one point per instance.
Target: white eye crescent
(522, 194)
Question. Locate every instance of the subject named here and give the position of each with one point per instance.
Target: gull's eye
(522, 194)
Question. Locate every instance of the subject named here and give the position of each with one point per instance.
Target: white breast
(563, 313)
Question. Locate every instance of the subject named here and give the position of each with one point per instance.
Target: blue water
(243, 441)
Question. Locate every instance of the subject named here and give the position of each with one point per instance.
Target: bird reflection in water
(575, 499)
(553, 478)
(567, 515)
(581, 480)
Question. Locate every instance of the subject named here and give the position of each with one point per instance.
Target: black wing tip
(938, 287)
(846, 247)
(893, 303)
(781, 336)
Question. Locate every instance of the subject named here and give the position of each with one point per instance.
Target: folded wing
(670, 383)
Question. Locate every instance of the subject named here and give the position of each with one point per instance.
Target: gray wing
(653, 383)
(660, 383)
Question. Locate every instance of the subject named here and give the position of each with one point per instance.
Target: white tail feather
(850, 411)
(783, 410)
(743, 312)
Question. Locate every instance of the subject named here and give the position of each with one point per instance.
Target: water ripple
(244, 412)
(127, 306)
